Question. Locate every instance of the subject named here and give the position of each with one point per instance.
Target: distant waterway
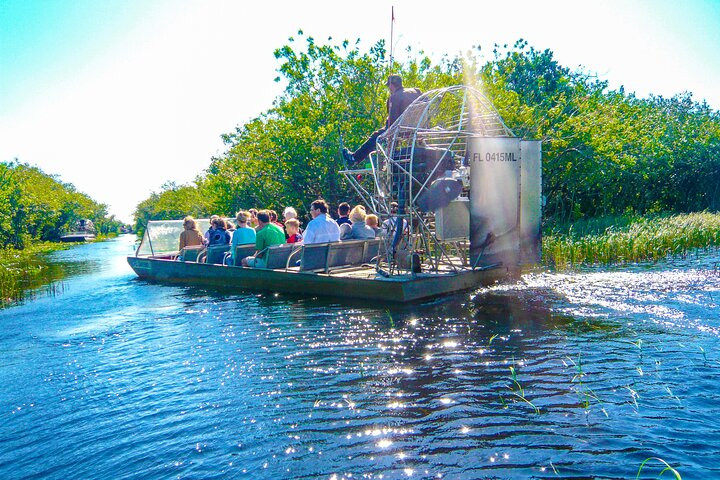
(557, 376)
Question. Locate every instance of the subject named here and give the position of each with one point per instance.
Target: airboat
(459, 193)
(84, 231)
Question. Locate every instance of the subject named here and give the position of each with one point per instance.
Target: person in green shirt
(268, 234)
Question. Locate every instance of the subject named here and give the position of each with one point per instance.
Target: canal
(557, 376)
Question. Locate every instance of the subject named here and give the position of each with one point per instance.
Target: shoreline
(26, 269)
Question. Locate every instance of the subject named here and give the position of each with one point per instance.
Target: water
(558, 376)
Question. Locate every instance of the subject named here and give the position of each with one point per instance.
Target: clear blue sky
(119, 96)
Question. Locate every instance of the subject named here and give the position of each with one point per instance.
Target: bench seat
(242, 251)
(322, 257)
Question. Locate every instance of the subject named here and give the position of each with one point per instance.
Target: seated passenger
(289, 213)
(191, 235)
(210, 229)
(343, 210)
(268, 234)
(322, 228)
(357, 230)
(274, 218)
(244, 233)
(292, 228)
(373, 222)
(217, 235)
(388, 226)
(253, 218)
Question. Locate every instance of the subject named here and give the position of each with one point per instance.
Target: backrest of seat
(314, 256)
(277, 255)
(242, 251)
(346, 253)
(372, 250)
(190, 254)
(216, 253)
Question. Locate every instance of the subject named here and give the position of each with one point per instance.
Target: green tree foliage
(290, 154)
(38, 206)
(605, 152)
(173, 202)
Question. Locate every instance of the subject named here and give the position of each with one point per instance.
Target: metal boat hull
(398, 288)
(78, 237)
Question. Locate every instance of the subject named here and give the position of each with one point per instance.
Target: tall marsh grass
(21, 270)
(607, 241)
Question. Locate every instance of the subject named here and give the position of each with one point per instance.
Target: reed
(21, 270)
(517, 390)
(625, 240)
(667, 468)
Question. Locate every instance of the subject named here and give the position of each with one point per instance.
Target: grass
(517, 389)
(622, 240)
(585, 394)
(667, 468)
(21, 270)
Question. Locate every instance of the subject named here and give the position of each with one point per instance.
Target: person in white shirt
(322, 228)
(388, 226)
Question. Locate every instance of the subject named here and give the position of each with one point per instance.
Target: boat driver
(400, 98)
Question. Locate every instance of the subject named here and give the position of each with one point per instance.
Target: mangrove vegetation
(36, 209)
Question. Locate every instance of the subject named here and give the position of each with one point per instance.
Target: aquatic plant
(584, 392)
(666, 469)
(629, 239)
(21, 270)
(518, 391)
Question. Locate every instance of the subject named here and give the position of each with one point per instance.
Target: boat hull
(398, 288)
(77, 237)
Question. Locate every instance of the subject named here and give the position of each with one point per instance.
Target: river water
(557, 376)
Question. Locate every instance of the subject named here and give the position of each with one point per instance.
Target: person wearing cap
(400, 98)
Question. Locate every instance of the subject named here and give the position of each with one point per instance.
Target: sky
(119, 97)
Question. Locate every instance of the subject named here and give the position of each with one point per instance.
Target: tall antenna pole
(392, 24)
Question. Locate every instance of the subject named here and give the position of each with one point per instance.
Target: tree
(38, 206)
(173, 202)
(604, 152)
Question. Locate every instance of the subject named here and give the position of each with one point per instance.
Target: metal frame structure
(426, 144)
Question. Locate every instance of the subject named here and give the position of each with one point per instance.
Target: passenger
(190, 235)
(217, 235)
(210, 229)
(322, 228)
(292, 227)
(230, 229)
(244, 234)
(253, 223)
(343, 210)
(400, 98)
(289, 213)
(357, 230)
(274, 219)
(268, 234)
(372, 221)
(388, 225)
